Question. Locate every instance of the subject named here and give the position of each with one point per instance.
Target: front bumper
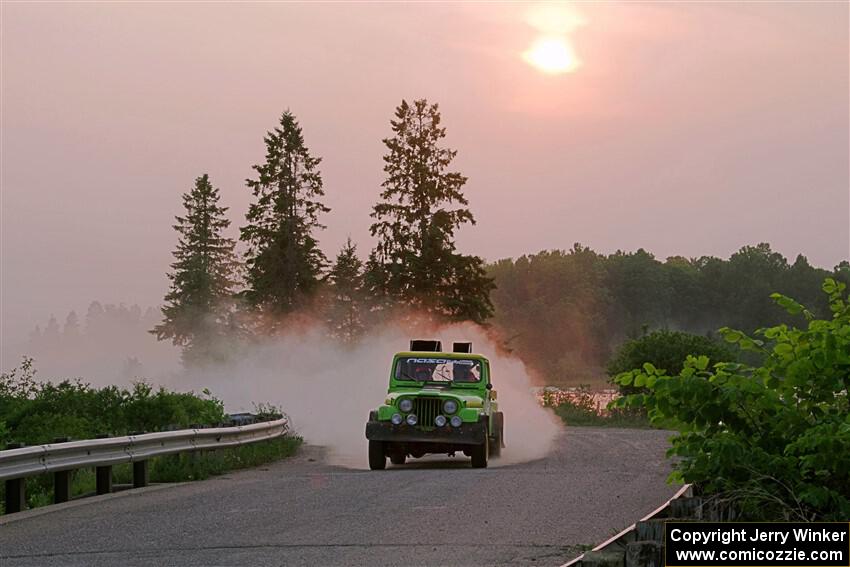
(466, 434)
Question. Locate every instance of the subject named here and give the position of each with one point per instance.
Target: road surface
(435, 511)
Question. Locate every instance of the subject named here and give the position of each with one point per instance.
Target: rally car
(437, 402)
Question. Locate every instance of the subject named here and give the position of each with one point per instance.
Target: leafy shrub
(773, 439)
(35, 412)
(668, 350)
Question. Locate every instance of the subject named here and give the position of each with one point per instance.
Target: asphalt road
(436, 511)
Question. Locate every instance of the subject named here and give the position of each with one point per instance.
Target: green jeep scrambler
(437, 402)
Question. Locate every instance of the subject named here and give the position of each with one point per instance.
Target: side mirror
(489, 386)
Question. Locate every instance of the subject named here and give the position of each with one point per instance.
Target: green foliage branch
(773, 439)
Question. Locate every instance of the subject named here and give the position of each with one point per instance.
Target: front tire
(480, 454)
(377, 456)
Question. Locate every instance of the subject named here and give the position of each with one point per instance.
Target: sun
(553, 55)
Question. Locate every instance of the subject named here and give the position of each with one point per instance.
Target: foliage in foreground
(774, 439)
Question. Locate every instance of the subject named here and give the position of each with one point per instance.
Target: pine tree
(203, 275)
(283, 259)
(71, 330)
(345, 316)
(51, 337)
(422, 205)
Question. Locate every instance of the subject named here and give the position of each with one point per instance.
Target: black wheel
(497, 441)
(377, 456)
(479, 455)
(398, 458)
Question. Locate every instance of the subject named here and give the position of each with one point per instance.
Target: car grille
(426, 409)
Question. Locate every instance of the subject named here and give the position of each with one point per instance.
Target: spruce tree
(345, 315)
(284, 262)
(198, 304)
(415, 262)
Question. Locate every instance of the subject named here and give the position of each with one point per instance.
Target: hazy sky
(686, 128)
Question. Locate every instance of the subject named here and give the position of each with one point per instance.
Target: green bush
(34, 412)
(772, 439)
(668, 350)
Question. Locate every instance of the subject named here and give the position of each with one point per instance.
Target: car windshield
(428, 369)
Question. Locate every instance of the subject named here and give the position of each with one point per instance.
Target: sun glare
(555, 19)
(552, 55)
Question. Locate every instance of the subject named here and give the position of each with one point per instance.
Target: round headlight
(456, 421)
(396, 419)
(412, 419)
(405, 405)
(440, 420)
(450, 406)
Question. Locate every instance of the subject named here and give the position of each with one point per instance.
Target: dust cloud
(327, 388)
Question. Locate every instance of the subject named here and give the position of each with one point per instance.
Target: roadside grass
(183, 467)
(584, 406)
(578, 416)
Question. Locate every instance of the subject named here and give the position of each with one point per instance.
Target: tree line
(216, 293)
(565, 312)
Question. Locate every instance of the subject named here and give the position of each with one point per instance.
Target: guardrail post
(140, 474)
(104, 479)
(16, 494)
(61, 480)
(61, 486)
(103, 475)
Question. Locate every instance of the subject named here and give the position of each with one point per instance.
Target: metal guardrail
(61, 458)
(623, 536)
